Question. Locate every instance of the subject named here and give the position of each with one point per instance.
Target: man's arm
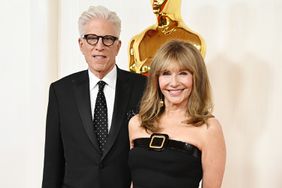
(54, 155)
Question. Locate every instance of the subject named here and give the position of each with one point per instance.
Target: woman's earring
(161, 103)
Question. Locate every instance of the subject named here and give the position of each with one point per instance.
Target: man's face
(99, 57)
(158, 5)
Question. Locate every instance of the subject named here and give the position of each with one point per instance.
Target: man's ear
(80, 43)
(119, 45)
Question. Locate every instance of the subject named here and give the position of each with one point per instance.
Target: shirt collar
(109, 78)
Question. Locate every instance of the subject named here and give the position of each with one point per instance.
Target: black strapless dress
(164, 163)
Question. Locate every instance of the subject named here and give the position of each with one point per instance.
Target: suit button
(101, 165)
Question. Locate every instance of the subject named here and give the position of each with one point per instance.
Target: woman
(175, 140)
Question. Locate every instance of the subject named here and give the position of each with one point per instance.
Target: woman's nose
(174, 80)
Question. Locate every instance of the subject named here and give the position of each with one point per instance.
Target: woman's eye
(184, 73)
(165, 73)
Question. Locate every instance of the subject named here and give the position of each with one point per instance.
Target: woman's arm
(213, 155)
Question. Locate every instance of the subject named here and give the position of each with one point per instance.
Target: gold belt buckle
(158, 141)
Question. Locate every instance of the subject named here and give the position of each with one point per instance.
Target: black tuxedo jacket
(72, 156)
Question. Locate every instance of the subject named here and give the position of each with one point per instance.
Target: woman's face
(176, 86)
(158, 5)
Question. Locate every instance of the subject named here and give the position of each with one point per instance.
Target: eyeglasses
(92, 39)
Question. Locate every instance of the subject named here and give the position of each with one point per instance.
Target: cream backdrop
(244, 47)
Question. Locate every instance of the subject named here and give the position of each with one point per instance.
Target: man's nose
(99, 45)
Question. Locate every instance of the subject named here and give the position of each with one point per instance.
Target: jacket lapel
(119, 113)
(82, 96)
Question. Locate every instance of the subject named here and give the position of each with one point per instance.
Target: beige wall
(38, 43)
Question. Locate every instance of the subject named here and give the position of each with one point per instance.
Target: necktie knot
(101, 85)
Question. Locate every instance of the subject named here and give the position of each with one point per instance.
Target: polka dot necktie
(101, 117)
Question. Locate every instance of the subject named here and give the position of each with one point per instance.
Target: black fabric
(72, 155)
(175, 166)
(101, 117)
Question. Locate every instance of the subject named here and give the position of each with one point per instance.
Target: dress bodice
(176, 165)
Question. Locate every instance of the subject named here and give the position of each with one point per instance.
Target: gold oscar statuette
(170, 25)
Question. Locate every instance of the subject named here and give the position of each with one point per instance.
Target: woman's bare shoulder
(134, 123)
(213, 124)
(214, 132)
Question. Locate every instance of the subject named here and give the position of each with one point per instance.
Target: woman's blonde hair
(185, 56)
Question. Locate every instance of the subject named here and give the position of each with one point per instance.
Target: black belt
(159, 142)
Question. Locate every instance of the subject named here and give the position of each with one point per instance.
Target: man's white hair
(98, 12)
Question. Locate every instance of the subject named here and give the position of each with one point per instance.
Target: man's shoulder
(81, 75)
(131, 75)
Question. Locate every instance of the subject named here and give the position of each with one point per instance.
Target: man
(86, 131)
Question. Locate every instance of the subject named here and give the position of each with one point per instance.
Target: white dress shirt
(109, 91)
